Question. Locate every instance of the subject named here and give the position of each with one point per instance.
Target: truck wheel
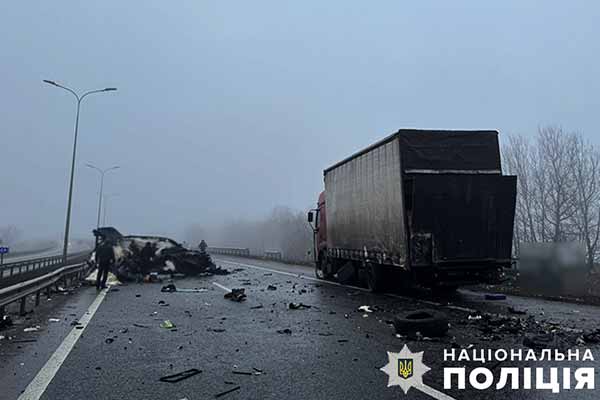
(375, 278)
(322, 270)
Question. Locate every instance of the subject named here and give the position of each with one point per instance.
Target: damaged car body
(137, 256)
(431, 205)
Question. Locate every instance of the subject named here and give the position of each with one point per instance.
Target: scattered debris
(592, 337)
(241, 372)
(513, 310)
(180, 376)
(238, 295)
(297, 306)
(495, 296)
(5, 322)
(24, 341)
(428, 323)
(168, 288)
(227, 391)
(543, 341)
(366, 309)
(167, 324)
(111, 280)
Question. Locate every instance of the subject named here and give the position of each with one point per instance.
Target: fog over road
(333, 350)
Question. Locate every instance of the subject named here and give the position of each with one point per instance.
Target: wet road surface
(333, 351)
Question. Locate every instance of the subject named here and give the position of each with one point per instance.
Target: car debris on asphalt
(5, 322)
(366, 309)
(237, 294)
(180, 376)
(167, 324)
(32, 329)
(143, 258)
(298, 306)
(236, 388)
(516, 311)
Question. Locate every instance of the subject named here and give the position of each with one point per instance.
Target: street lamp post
(79, 99)
(106, 197)
(102, 172)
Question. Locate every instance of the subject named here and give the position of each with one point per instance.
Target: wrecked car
(137, 256)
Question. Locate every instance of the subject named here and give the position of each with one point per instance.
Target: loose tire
(427, 322)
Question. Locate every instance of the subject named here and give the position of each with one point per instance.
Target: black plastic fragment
(180, 376)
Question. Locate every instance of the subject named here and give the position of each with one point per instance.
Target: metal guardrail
(20, 291)
(9, 270)
(273, 255)
(229, 251)
(266, 255)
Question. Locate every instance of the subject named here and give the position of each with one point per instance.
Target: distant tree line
(558, 188)
(283, 229)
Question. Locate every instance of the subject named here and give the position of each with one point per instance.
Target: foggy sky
(227, 109)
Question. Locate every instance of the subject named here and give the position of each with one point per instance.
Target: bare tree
(558, 189)
(557, 161)
(586, 218)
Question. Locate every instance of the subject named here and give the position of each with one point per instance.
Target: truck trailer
(426, 206)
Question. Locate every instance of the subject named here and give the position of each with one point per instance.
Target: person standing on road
(203, 246)
(105, 258)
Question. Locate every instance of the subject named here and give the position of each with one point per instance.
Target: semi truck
(429, 207)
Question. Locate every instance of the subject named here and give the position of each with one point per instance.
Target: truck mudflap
(459, 218)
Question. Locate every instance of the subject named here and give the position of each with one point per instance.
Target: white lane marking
(310, 278)
(222, 287)
(38, 385)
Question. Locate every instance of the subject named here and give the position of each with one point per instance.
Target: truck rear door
(469, 217)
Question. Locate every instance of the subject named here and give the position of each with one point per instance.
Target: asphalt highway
(330, 350)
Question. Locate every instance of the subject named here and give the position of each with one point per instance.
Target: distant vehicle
(429, 206)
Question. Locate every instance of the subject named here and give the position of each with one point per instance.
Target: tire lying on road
(427, 322)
